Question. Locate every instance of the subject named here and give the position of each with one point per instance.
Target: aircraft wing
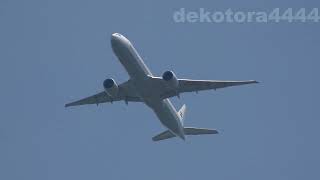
(126, 93)
(189, 85)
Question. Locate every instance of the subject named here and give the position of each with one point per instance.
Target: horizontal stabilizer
(164, 135)
(187, 131)
(198, 131)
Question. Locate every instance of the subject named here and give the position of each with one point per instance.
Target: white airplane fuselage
(140, 77)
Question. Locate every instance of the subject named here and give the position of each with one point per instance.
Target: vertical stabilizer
(182, 112)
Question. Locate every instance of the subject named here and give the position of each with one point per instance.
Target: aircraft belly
(140, 75)
(131, 60)
(167, 116)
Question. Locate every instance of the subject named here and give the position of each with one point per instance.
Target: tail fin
(187, 131)
(182, 112)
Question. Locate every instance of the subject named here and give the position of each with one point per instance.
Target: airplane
(154, 91)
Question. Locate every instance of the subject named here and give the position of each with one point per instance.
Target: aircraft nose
(118, 40)
(115, 40)
(114, 36)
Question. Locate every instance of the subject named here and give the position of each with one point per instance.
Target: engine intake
(168, 75)
(171, 79)
(111, 87)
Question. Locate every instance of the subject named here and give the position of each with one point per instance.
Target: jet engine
(111, 87)
(171, 79)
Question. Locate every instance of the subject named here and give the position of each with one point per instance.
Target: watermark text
(275, 15)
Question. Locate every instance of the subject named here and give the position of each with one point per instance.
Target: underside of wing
(189, 85)
(125, 93)
(102, 97)
(95, 99)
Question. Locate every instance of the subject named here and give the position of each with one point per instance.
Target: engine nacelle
(171, 79)
(111, 87)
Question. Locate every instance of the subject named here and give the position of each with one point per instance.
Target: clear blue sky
(54, 52)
